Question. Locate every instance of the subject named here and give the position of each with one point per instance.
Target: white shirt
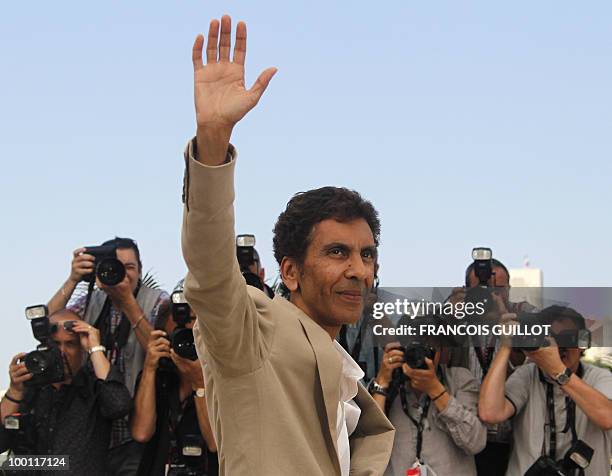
(348, 411)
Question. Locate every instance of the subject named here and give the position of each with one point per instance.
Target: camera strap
(116, 340)
(418, 424)
(570, 422)
(485, 357)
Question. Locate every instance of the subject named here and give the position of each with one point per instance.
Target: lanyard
(570, 422)
(485, 357)
(418, 424)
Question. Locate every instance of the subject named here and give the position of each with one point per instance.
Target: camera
(483, 268)
(580, 338)
(107, 268)
(577, 457)
(19, 427)
(415, 354)
(181, 339)
(188, 460)
(45, 363)
(247, 256)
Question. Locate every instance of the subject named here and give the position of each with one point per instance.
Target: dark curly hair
(292, 232)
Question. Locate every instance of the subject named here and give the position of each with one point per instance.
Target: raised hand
(221, 98)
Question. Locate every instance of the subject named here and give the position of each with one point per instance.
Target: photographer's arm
(145, 411)
(82, 265)
(18, 374)
(493, 406)
(204, 422)
(596, 405)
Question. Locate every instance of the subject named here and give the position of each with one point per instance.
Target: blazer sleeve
(227, 319)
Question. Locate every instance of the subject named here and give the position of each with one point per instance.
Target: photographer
(556, 403)
(125, 313)
(433, 409)
(489, 279)
(250, 264)
(170, 413)
(72, 417)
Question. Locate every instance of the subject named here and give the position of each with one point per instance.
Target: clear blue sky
(466, 123)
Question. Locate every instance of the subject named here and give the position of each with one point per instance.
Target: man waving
(284, 398)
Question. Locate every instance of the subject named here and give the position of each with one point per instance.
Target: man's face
(499, 280)
(69, 345)
(338, 270)
(570, 356)
(128, 257)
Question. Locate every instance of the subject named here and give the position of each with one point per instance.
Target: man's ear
(262, 274)
(290, 273)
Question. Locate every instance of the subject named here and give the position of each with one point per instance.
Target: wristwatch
(375, 387)
(200, 393)
(96, 348)
(563, 377)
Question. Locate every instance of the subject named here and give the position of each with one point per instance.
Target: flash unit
(36, 312)
(480, 254)
(245, 241)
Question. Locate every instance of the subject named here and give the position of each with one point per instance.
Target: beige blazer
(271, 373)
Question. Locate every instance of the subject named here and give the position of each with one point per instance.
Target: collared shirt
(450, 437)
(528, 395)
(74, 420)
(348, 411)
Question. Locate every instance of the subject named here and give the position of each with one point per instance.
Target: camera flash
(178, 298)
(246, 241)
(482, 254)
(36, 312)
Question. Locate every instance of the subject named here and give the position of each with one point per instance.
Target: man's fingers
(196, 53)
(262, 82)
(225, 41)
(240, 48)
(211, 44)
(23, 378)
(18, 357)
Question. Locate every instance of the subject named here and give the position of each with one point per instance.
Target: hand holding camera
(393, 358)
(18, 374)
(190, 369)
(120, 293)
(158, 348)
(424, 380)
(82, 265)
(547, 358)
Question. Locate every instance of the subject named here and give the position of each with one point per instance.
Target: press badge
(420, 469)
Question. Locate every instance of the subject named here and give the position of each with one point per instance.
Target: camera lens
(36, 362)
(183, 344)
(110, 271)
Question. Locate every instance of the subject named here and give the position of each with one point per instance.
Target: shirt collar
(351, 374)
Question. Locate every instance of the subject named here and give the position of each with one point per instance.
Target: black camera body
(529, 342)
(107, 268)
(246, 254)
(415, 354)
(45, 363)
(577, 457)
(188, 457)
(19, 428)
(181, 339)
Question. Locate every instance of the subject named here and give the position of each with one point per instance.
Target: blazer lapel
(329, 367)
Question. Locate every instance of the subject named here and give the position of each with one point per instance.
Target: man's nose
(356, 268)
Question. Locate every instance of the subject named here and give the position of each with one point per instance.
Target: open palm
(221, 98)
